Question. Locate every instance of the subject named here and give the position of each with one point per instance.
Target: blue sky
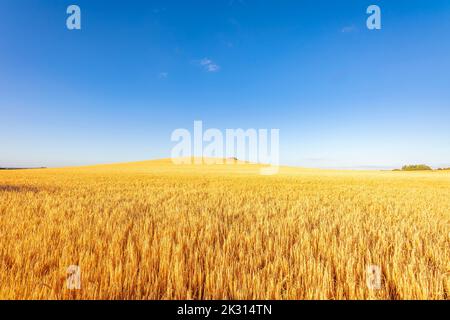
(341, 95)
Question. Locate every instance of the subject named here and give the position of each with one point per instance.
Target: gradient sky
(341, 95)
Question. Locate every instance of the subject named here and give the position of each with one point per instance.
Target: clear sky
(341, 95)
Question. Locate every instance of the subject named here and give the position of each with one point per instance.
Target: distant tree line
(416, 167)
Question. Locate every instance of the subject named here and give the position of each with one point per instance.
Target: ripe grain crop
(153, 230)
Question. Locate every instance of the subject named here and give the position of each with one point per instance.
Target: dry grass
(152, 230)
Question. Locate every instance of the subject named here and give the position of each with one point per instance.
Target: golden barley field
(154, 230)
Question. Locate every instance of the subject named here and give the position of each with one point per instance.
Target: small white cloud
(205, 61)
(228, 44)
(158, 10)
(209, 65)
(348, 29)
(234, 23)
(163, 75)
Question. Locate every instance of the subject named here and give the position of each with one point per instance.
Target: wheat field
(154, 230)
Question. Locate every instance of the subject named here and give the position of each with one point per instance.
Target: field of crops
(153, 230)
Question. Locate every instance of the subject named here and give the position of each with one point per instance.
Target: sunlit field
(153, 230)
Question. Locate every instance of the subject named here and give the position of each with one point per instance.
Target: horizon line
(345, 168)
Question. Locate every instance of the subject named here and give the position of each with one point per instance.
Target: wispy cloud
(163, 75)
(348, 29)
(228, 44)
(209, 65)
(239, 2)
(234, 22)
(158, 10)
